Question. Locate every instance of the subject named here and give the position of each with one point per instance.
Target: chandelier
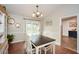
(37, 14)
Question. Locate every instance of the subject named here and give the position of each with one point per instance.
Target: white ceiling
(27, 9)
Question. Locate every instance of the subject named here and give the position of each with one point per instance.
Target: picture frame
(49, 22)
(72, 24)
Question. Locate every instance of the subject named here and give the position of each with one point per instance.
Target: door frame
(64, 18)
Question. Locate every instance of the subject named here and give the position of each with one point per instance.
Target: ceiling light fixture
(37, 14)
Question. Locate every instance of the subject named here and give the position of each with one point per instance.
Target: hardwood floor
(18, 48)
(62, 50)
(69, 42)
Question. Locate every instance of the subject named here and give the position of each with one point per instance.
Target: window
(32, 27)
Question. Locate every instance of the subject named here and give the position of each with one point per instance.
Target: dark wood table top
(42, 40)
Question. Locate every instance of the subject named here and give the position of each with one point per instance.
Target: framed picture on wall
(49, 22)
(72, 24)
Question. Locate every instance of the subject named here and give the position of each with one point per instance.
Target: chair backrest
(28, 46)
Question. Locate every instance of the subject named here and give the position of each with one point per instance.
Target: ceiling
(27, 9)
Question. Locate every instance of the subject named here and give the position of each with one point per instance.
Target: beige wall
(18, 32)
(52, 30)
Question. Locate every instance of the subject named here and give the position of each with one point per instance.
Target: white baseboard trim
(77, 51)
(71, 49)
(67, 47)
(17, 41)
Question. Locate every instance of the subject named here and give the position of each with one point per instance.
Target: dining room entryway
(69, 33)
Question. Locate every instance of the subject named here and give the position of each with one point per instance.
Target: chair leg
(51, 49)
(40, 50)
(45, 51)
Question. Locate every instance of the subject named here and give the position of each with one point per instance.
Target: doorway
(69, 33)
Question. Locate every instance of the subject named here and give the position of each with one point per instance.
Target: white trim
(77, 33)
(17, 41)
(77, 51)
(71, 49)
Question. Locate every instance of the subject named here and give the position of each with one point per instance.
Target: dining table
(42, 42)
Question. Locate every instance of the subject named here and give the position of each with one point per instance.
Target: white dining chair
(47, 48)
(34, 49)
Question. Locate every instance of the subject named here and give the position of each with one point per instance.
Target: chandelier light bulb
(38, 13)
(33, 15)
(41, 15)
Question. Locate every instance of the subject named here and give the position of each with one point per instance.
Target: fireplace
(73, 34)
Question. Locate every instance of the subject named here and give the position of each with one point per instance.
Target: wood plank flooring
(69, 42)
(18, 48)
